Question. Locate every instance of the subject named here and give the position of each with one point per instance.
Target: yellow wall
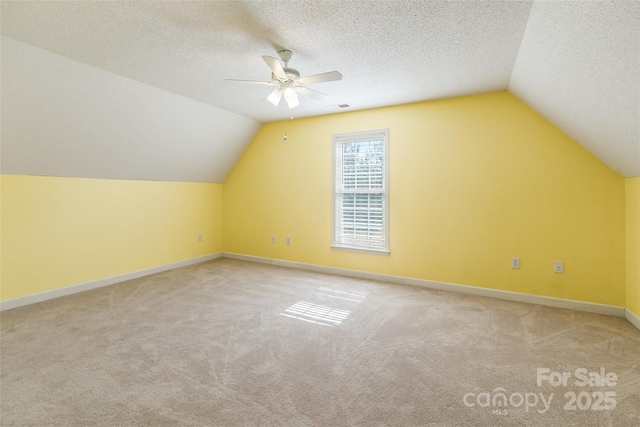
(58, 232)
(474, 181)
(633, 244)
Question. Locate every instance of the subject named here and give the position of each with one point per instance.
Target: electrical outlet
(288, 240)
(515, 263)
(200, 237)
(273, 239)
(558, 267)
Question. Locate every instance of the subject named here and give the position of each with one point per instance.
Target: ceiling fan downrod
(285, 55)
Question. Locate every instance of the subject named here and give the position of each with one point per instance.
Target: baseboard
(451, 287)
(81, 287)
(250, 258)
(610, 310)
(632, 318)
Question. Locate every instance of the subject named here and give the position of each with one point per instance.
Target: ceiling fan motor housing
(292, 73)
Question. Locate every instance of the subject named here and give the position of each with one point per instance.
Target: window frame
(370, 135)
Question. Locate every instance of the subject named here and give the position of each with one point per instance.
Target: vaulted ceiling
(576, 63)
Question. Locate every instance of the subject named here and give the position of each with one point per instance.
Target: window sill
(382, 252)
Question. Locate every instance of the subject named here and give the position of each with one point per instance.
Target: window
(360, 191)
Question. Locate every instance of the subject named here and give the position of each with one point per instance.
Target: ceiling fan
(288, 81)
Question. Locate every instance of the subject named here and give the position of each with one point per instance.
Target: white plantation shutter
(360, 190)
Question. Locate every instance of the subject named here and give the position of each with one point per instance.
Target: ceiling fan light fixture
(275, 96)
(293, 103)
(291, 97)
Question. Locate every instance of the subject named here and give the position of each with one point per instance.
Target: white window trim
(339, 138)
(360, 250)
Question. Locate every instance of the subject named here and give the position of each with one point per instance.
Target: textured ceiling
(572, 62)
(390, 52)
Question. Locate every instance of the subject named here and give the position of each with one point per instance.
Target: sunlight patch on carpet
(315, 313)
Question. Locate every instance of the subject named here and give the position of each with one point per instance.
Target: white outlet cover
(515, 263)
(558, 266)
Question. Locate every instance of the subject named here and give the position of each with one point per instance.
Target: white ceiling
(577, 63)
(579, 66)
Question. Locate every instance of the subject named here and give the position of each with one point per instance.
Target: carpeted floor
(230, 343)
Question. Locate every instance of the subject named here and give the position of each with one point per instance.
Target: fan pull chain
(285, 128)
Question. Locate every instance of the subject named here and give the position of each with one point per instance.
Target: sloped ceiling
(65, 118)
(579, 66)
(577, 63)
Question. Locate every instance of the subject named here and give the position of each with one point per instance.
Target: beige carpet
(230, 343)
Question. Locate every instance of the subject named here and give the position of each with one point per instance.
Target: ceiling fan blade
(320, 78)
(251, 81)
(319, 96)
(275, 66)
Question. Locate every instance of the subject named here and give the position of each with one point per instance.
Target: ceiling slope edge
(61, 117)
